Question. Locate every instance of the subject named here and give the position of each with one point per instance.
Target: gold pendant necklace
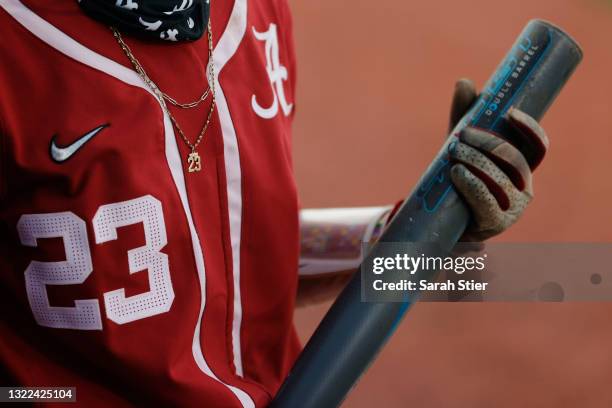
(194, 162)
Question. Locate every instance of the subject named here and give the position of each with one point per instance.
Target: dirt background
(375, 81)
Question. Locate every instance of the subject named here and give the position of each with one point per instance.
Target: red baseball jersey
(121, 273)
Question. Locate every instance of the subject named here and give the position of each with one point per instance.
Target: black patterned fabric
(165, 20)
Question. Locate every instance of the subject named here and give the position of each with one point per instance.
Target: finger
(497, 182)
(464, 97)
(485, 209)
(507, 157)
(534, 142)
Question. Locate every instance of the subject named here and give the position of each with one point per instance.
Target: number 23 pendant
(194, 162)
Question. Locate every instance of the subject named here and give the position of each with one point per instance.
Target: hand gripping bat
(353, 332)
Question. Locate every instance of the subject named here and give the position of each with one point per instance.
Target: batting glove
(492, 175)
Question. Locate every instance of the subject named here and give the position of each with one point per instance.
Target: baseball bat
(353, 332)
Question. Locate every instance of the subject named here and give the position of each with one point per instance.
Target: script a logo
(277, 74)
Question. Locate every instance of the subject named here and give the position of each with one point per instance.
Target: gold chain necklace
(194, 163)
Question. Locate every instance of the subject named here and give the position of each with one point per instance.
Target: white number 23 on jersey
(85, 315)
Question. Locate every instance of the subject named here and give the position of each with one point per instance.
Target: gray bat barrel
(353, 332)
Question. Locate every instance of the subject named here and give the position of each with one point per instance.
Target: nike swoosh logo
(60, 154)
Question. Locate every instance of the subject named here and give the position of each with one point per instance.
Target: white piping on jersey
(55, 38)
(225, 49)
